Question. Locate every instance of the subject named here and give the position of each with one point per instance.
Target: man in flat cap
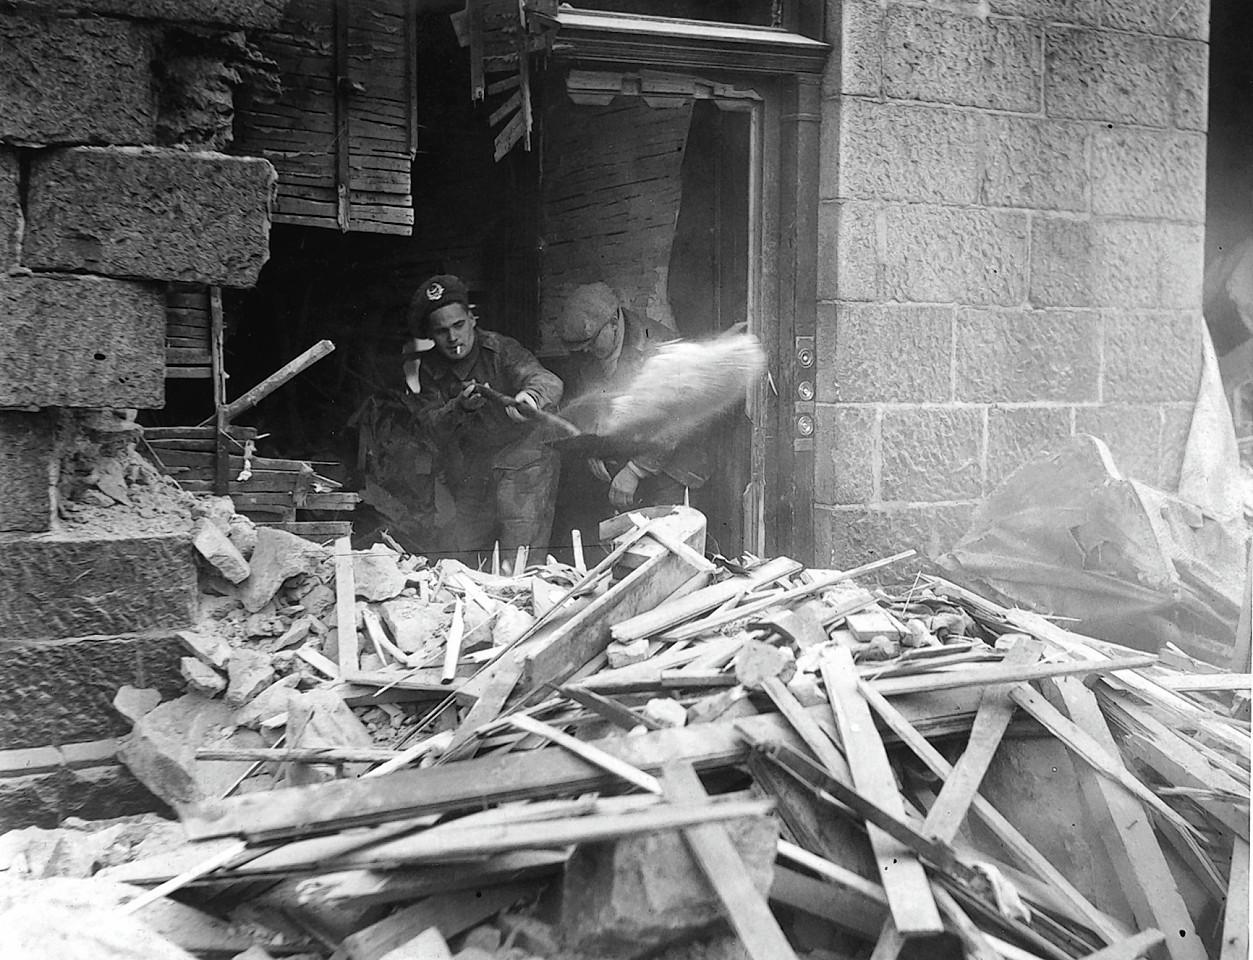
(615, 341)
(502, 477)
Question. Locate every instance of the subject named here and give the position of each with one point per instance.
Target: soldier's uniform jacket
(486, 437)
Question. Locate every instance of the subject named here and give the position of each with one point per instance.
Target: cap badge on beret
(435, 292)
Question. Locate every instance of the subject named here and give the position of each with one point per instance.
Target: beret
(438, 291)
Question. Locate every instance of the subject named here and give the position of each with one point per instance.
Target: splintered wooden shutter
(342, 134)
(503, 35)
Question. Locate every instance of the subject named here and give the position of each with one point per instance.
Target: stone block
(26, 470)
(277, 556)
(63, 693)
(1029, 162)
(46, 799)
(1151, 356)
(1017, 435)
(250, 673)
(942, 56)
(849, 536)
(1150, 174)
(218, 551)
(150, 213)
(932, 453)
(846, 441)
(75, 81)
(81, 342)
(941, 254)
(76, 587)
(1176, 425)
(848, 257)
(884, 352)
(1123, 78)
(626, 899)
(251, 14)
(758, 662)
(1131, 431)
(200, 678)
(1170, 18)
(375, 574)
(10, 209)
(1008, 355)
(906, 152)
(856, 66)
(1116, 263)
(1051, 11)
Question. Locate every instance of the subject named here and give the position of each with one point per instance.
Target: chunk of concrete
(624, 654)
(278, 555)
(250, 672)
(218, 551)
(161, 750)
(201, 678)
(376, 575)
(427, 945)
(295, 634)
(724, 705)
(134, 702)
(210, 649)
(511, 624)
(667, 712)
(413, 623)
(269, 703)
(629, 898)
(320, 718)
(758, 662)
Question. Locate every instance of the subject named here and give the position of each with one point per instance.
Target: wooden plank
(1235, 943)
(1242, 648)
(996, 710)
(450, 913)
(188, 373)
(909, 892)
(743, 907)
(1128, 835)
(1002, 673)
(1206, 682)
(278, 378)
(205, 432)
(346, 609)
(185, 357)
(502, 679)
(1133, 948)
(318, 531)
(1005, 831)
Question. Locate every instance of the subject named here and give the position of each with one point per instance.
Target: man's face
(452, 329)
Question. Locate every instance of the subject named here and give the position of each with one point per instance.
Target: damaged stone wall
(111, 114)
(1010, 252)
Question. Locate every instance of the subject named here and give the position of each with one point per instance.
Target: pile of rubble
(380, 758)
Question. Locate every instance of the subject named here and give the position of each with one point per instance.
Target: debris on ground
(380, 757)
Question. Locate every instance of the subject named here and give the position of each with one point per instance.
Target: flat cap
(586, 311)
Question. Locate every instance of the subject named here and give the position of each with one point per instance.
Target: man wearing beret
(502, 477)
(615, 342)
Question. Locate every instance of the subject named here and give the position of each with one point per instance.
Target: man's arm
(527, 373)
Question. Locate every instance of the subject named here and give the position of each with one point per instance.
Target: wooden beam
(743, 907)
(908, 890)
(1003, 673)
(275, 380)
(346, 609)
(1132, 948)
(996, 710)
(1128, 835)
(1235, 945)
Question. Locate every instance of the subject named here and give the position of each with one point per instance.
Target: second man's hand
(625, 483)
(523, 399)
(470, 399)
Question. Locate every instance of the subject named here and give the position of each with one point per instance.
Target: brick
(856, 67)
(151, 213)
(1115, 263)
(1007, 355)
(63, 693)
(844, 465)
(1051, 11)
(849, 536)
(253, 14)
(46, 800)
(1146, 173)
(1151, 356)
(884, 352)
(1171, 18)
(81, 342)
(848, 259)
(949, 255)
(26, 471)
(904, 152)
(932, 453)
(10, 210)
(75, 81)
(1122, 78)
(77, 587)
(1018, 435)
(1176, 425)
(1034, 163)
(1131, 431)
(945, 57)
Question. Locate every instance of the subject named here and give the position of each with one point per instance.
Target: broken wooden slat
(1235, 944)
(1133, 948)
(1002, 673)
(996, 710)
(908, 890)
(275, 380)
(1128, 835)
(1206, 682)
(346, 609)
(744, 908)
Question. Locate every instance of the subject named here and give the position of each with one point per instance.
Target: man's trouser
(511, 504)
